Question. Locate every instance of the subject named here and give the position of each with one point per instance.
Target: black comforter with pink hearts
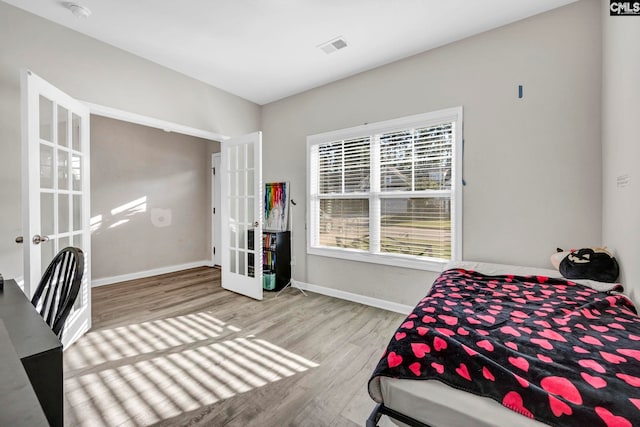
(549, 349)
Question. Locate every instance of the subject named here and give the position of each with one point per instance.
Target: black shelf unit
(276, 256)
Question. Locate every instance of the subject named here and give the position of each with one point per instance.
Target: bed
(495, 345)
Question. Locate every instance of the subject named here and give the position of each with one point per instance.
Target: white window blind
(388, 192)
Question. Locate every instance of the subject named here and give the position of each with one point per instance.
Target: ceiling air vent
(333, 45)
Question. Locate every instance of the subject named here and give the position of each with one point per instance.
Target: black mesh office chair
(59, 287)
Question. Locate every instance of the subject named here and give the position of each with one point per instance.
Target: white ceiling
(265, 50)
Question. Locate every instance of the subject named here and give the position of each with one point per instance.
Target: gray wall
(621, 144)
(167, 173)
(532, 165)
(99, 73)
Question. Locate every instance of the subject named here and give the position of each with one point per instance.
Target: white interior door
(216, 225)
(55, 153)
(242, 207)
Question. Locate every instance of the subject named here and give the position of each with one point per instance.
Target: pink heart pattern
(595, 382)
(438, 367)
(513, 401)
(485, 344)
(487, 374)
(519, 362)
(612, 420)
(420, 349)
(543, 347)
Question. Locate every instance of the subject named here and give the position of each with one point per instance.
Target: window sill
(416, 263)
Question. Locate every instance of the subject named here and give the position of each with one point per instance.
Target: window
(388, 192)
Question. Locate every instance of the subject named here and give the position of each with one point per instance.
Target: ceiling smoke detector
(333, 45)
(78, 10)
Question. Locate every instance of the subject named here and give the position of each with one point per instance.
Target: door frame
(216, 220)
(167, 126)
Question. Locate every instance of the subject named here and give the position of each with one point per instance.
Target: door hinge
(214, 211)
(214, 250)
(213, 170)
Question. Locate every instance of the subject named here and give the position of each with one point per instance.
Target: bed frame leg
(381, 410)
(374, 417)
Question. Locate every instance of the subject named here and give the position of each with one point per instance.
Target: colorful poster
(276, 206)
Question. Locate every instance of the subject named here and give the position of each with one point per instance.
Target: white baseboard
(148, 273)
(362, 299)
(335, 293)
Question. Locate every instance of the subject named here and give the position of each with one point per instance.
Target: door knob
(37, 239)
(255, 224)
(19, 239)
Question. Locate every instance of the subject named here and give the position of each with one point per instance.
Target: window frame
(454, 115)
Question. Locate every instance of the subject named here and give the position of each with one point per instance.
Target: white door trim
(126, 116)
(167, 126)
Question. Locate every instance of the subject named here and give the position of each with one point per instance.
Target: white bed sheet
(440, 405)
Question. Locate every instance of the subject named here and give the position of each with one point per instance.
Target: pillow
(590, 263)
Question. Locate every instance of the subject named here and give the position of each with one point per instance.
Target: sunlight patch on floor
(107, 345)
(136, 387)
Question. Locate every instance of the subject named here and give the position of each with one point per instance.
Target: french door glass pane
(241, 263)
(75, 132)
(63, 213)
(241, 157)
(241, 211)
(76, 171)
(63, 170)
(46, 166)
(250, 155)
(232, 237)
(63, 126)
(250, 183)
(233, 210)
(46, 119)
(233, 187)
(250, 209)
(77, 212)
(241, 183)
(241, 202)
(242, 236)
(233, 158)
(232, 261)
(46, 214)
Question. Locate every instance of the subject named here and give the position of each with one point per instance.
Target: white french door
(242, 207)
(55, 156)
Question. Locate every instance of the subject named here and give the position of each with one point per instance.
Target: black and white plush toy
(587, 263)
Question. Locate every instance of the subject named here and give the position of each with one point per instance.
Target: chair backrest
(59, 287)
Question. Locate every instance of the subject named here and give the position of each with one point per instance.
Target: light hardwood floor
(178, 350)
